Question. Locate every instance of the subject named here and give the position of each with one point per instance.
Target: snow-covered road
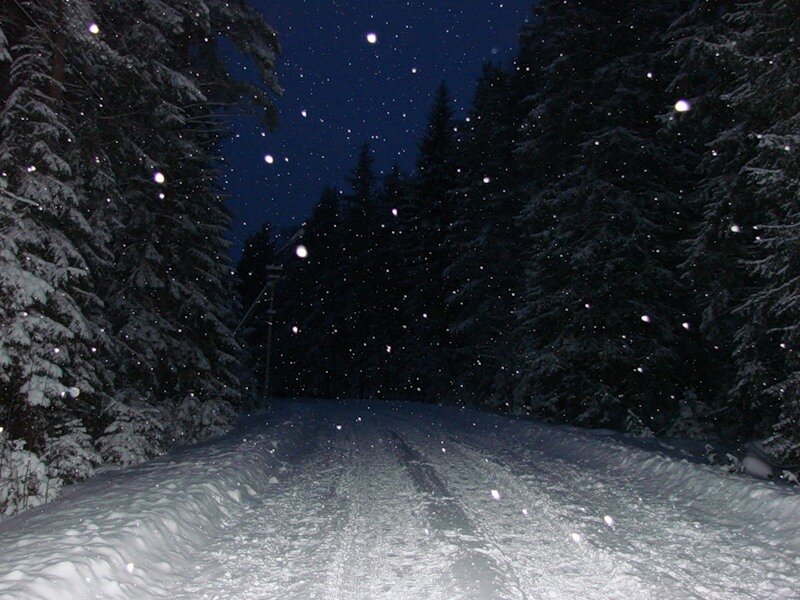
(367, 500)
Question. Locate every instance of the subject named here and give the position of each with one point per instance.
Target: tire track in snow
(658, 538)
(382, 550)
(475, 570)
(539, 544)
(358, 513)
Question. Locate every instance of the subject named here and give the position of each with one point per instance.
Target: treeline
(115, 311)
(611, 238)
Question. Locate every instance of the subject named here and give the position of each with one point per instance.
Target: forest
(116, 321)
(610, 238)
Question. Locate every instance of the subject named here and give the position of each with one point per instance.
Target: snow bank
(224, 515)
(703, 488)
(129, 533)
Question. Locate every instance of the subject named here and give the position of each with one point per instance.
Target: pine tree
(115, 304)
(483, 241)
(47, 342)
(340, 326)
(358, 278)
(603, 311)
(429, 368)
(388, 287)
(168, 296)
(761, 44)
(712, 141)
(310, 348)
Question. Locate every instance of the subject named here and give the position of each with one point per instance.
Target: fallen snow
(358, 500)
(752, 465)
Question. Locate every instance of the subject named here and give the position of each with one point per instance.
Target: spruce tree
(712, 141)
(603, 312)
(50, 383)
(483, 241)
(115, 285)
(388, 287)
(169, 296)
(761, 43)
(358, 278)
(310, 346)
(429, 367)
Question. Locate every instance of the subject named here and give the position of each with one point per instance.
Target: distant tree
(389, 287)
(426, 219)
(310, 347)
(357, 320)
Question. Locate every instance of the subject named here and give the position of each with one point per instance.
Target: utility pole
(275, 272)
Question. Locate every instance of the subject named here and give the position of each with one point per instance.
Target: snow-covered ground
(355, 500)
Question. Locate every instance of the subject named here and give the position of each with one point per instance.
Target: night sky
(351, 91)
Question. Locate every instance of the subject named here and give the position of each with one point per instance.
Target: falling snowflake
(646, 318)
(94, 29)
(683, 106)
(495, 494)
(609, 521)
(372, 38)
(301, 251)
(158, 177)
(269, 159)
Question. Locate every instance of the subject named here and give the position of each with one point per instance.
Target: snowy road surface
(372, 500)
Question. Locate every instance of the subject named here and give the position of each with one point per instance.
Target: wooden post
(274, 276)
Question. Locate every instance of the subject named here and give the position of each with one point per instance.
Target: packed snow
(372, 500)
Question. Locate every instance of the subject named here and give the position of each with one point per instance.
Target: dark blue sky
(353, 91)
